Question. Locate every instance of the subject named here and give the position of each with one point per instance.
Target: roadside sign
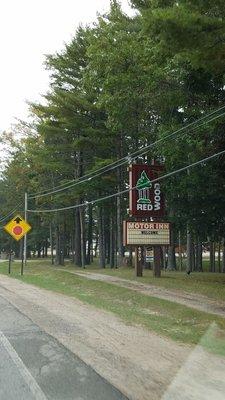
(147, 200)
(149, 255)
(146, 233)
(17, 227)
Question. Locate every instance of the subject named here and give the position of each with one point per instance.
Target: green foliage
(120, 85)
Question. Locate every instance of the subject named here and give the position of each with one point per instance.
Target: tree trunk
(89, 234)
(101, 237)
(59, 257)
(119, 233)
(219, 257)
(107, 236)
(171, 252)
(157, 261)
(223, 258)
(51, 243)
(77, 239)
(199, 257)
(130, 257)
(46, 248)
(39, 250)
(119, 239)
(164, 250)
(180, 253)
(62, 248)
(112, 243)
(194, 266)
(57, 246)
(96, 247)
(189, 251)
(72, 247)
(212, 257)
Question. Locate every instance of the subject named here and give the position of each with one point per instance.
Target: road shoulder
(131, 358)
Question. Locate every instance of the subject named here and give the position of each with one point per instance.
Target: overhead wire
(116, 164)
(202, 161)
(11, 212)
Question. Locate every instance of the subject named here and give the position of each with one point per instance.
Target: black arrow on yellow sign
(18, 220)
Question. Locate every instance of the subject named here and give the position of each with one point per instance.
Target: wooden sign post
(138, 261)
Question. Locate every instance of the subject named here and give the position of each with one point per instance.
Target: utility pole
(83, 250)
(25, 237)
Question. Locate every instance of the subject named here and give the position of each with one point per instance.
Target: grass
(165, 318)
(211, 285)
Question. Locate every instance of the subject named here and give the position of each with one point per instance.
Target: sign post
(138, 261)
(10, 255)
(17, 228)
(141, 234)
(25, 236)
(22, 258)
(149, 255)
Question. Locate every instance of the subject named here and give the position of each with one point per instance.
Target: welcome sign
(147, 199)
(146, 233)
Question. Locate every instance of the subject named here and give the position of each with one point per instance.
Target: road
(35, 366)
(56, 347)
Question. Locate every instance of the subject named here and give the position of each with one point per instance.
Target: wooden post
(138, 261)
(157, 261)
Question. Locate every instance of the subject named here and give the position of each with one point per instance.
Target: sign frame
(147, 201)
(147, 226)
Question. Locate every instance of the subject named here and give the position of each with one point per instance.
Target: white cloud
(28, 30)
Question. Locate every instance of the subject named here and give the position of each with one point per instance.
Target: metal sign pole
(10, 255)
(22, 260)
(25, 237)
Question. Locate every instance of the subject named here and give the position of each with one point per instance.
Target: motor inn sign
(146, 233)
(146, 200)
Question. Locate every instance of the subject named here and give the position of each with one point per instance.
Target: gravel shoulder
(139, 363)
(196, 301)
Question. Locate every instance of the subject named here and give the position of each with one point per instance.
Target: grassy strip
(207, 284)
(166, 318)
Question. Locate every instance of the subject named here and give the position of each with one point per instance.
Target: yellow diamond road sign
(17, 227)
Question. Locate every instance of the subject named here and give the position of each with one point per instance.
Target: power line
(11, 212)
(204, 160)
(129, 157)
(124, 160)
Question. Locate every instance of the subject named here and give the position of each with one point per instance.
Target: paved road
(34, 366)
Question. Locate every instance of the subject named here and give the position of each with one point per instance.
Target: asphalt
(34, 365)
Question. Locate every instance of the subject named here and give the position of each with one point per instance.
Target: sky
(29, 29)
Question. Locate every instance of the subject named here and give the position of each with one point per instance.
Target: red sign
(146, 200)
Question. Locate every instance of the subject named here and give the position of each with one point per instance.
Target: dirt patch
(196, 301)
(139, 363)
